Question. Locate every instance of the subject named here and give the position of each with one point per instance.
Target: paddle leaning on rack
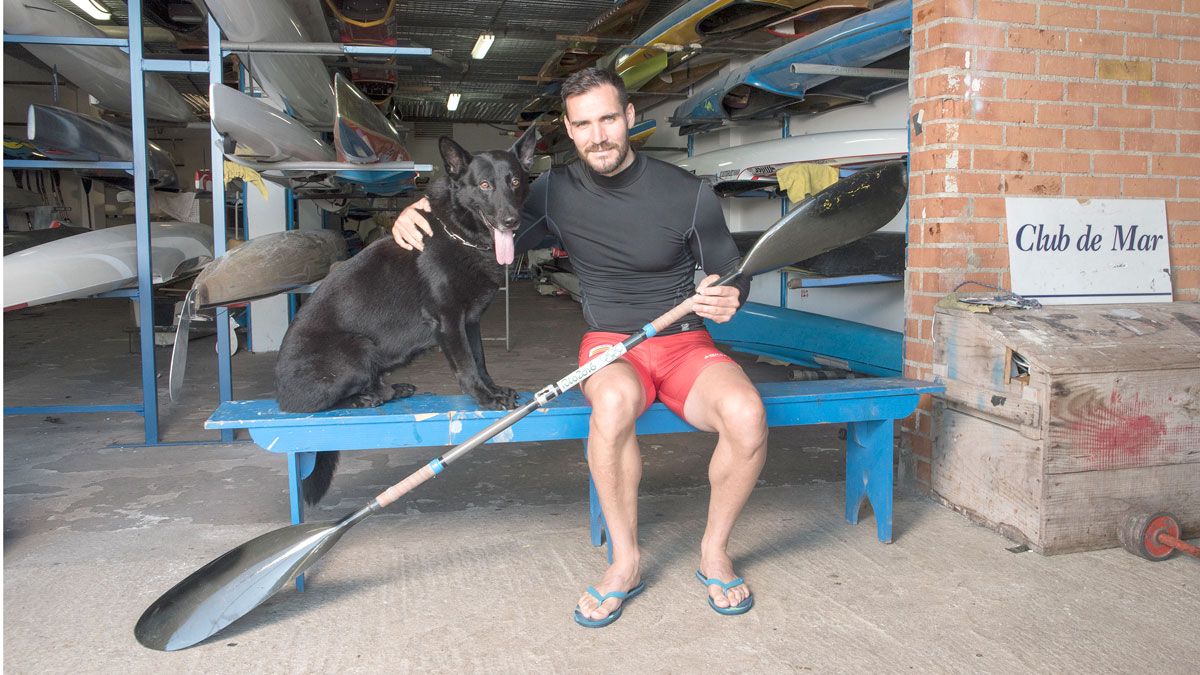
(235, 583)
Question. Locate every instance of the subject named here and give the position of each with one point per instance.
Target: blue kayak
(766, 86)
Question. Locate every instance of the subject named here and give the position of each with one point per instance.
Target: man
(635, 227)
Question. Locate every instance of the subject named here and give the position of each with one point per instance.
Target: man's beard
(607, 164)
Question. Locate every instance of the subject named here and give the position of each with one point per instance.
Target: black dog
(386, 305)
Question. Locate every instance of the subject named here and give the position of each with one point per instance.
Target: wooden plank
(1103, 421)
(1084, 510)
(996, 404)
(1098, 338)
(988, 471)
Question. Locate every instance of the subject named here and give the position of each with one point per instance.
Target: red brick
(921, 304)
(1176, 165)
(1184, 256)
(1033, 137)
(1148, 187)
(1191, 7)
(1189, 189)
(1153, 47)
(921, 208)
(1187, 26)
(988, 207)
(943, 57)
(1177, 211)
(979, 183)
(972, 34)
(980, 134)
(1189, 144)
(1096, 43)
(920, 39)
(1148, 141)
(1183, 73)
(939, 257)
(921, 352)
(1067, 17)
(1182, 233)
(1189, 97)
(1075, 115)
(1090, 186)
(999, 111)
(1126, 22)
(1091, 92)
(1037, 38)
(1042, 185)
(929, 160)
(989, 258)
(1185, 283)
(959, 232)
(941, 9)
(1124, 118)
(1126, 164)
(1066, 66)
(1006, 160)
(1008, 12)
(1061, 162)
(1157, 5)
(1190, 51)
(1088, 139)
(1155, 96)
(1006, 62)
(1183, 120)
(1032, 90)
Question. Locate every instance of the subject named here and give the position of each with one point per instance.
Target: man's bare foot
(717, 565)
(618, 577)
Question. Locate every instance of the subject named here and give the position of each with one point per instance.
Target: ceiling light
(482, 45)
(452, 102)
(93, 9)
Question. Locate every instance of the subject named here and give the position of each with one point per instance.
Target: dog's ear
(454, 155)
(525, 146)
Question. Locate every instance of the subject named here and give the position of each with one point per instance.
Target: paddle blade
(844, 212)
(179, 349)
(227, 588)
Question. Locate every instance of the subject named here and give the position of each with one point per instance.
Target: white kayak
(99, 261)
(300, 82)
(102, 72)
(268, 134)
(754, 165)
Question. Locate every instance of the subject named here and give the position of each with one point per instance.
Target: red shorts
(667, 365)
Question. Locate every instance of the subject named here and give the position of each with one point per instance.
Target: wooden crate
(1057, 421)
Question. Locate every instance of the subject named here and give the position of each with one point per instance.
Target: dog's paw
(498, 398)
(364, 400)
(403, 390)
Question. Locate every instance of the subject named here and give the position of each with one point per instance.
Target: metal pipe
(217, 157)
(848, 71)
(328, 48)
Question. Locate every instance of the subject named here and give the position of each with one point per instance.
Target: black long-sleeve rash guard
(634, 238)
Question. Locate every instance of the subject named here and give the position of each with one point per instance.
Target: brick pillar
(1095, 98)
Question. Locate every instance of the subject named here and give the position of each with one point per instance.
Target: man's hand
(716, 303)
(410, 223)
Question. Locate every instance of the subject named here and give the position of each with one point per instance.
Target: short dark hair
(583, 81)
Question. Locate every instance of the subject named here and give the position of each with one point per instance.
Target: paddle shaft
(541, 398)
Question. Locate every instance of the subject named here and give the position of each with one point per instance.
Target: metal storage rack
(139, 65)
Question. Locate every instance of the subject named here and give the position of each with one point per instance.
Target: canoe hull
(269, 265)
(271, 135)
(99, 261)
(64, 134)
(102, 72)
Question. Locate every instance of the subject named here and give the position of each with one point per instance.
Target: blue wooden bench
(868, 407)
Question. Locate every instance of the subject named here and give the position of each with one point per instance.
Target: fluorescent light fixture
(482, 45)
(93, 9)
(452, 102)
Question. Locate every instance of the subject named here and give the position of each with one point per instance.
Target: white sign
(1075, 251)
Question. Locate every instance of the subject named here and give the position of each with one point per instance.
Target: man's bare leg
(617, 398)
(725, 401)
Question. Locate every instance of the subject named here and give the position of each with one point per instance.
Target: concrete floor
(479, 570)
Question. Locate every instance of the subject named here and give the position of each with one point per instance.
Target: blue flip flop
(740, 608)
(616, 614)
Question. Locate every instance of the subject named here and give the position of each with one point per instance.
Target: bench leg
(869, 473)
(596, 514)
(300, 465)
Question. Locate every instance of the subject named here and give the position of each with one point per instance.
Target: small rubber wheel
(1139, 534)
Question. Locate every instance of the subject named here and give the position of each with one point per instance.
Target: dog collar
(457, 238)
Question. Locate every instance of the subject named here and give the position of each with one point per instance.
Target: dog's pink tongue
(504, 246)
